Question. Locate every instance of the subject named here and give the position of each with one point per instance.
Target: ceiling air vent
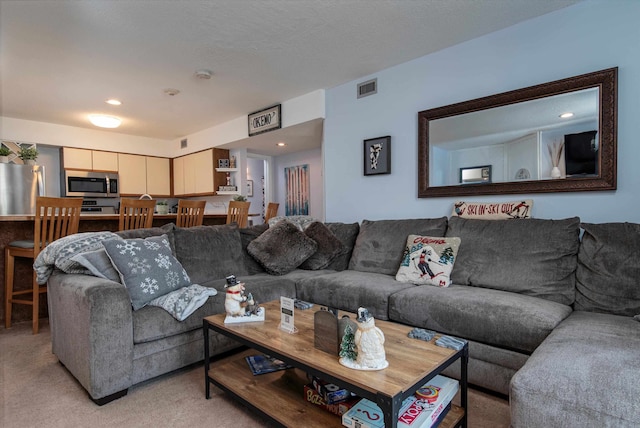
(367, 88)
(183, 144)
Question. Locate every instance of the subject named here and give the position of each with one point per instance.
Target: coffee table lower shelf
(279, 395)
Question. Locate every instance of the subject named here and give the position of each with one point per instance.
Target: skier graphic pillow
(147, 268)
(428, 260)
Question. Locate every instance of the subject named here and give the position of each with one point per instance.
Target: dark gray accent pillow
(210, 252)
(98, 263)
(247, 235)
(146, 267)
(608, 274)
(282, 248)
(329, 247)
(535, 257)
(347, 234)
(380, 244)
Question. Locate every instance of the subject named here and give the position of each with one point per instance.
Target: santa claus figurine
(369, 341)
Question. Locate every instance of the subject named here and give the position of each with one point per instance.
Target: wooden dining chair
(190, 213)
(136, 213)
(272, 211)
(238, 213)
(54, 219)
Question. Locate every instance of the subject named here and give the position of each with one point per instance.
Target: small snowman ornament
(369, 341)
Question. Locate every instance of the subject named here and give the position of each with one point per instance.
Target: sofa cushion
(98, 263)
(146, 267)
(498, 318)
(152, 323)
(348, 290)
(210, 252)
(583, 375)
(329, 246)
(608, 273)
(380, 244)
(534, 257)
(300, 221)
(247, 235)
(347, 234)
(493, 210)
(428, 260)
(282, 248)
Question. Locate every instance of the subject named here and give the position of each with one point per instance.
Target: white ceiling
(60, 60)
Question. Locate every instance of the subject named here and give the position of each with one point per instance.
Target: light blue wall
(586, 37)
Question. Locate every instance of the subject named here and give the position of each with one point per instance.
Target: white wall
(586, 37)
(316, 198)
(255, 172)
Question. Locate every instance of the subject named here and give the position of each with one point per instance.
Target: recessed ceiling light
(104, 121)
(281, 144)
(566, 115)
(113, 102)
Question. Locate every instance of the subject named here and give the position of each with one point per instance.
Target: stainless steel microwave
(91, 184)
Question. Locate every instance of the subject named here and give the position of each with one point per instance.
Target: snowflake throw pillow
(428, 260)
(147, 268)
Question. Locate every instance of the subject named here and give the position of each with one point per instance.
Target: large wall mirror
(554, 137)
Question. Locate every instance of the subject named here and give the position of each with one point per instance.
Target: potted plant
(28, 155)
(4, 154)
(240, 198)
(162, 207)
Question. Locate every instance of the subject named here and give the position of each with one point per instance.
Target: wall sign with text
(265, 120)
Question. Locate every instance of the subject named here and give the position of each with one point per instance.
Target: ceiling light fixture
(566, 115)
(204, 74)
(104, 121)
(171, 91)
(113, 102)
(281, 144)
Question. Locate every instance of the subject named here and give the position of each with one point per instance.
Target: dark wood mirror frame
(605, 80)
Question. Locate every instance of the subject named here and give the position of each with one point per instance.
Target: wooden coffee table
(279, 395)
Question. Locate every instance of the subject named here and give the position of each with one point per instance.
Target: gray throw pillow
(380, 244)
(282, 248)
(329, 247)
(147, 268)
(347, 234)
(247, 235)
(607, 278)
(210, 252)
(98, 263)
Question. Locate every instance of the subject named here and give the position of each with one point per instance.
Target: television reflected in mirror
(520, 136)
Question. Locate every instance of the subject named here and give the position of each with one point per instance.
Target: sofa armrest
(92, 331)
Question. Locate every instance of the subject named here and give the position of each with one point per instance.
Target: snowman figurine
(369, 341)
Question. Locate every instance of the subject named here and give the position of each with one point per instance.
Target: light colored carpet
(37, 391)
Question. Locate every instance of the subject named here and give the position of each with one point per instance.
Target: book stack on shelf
(329, 396)
(425, 409)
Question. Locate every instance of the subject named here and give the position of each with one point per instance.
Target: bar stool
(136, 213)
(238, 213)
(55, 218)
(190, 213)
(272, 211)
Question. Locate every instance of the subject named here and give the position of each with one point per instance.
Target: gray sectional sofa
(549, 315)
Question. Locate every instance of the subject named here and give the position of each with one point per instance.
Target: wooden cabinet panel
(104, 161)
(158, 180)
(203, 165)
(132, 170)
(189, 174)
(77, 158)
(178, 176)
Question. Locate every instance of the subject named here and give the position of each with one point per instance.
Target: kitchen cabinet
(144, 174)
(89, 160)
(195, 174)
(132, 170)
(104, 161)
(158, 176)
